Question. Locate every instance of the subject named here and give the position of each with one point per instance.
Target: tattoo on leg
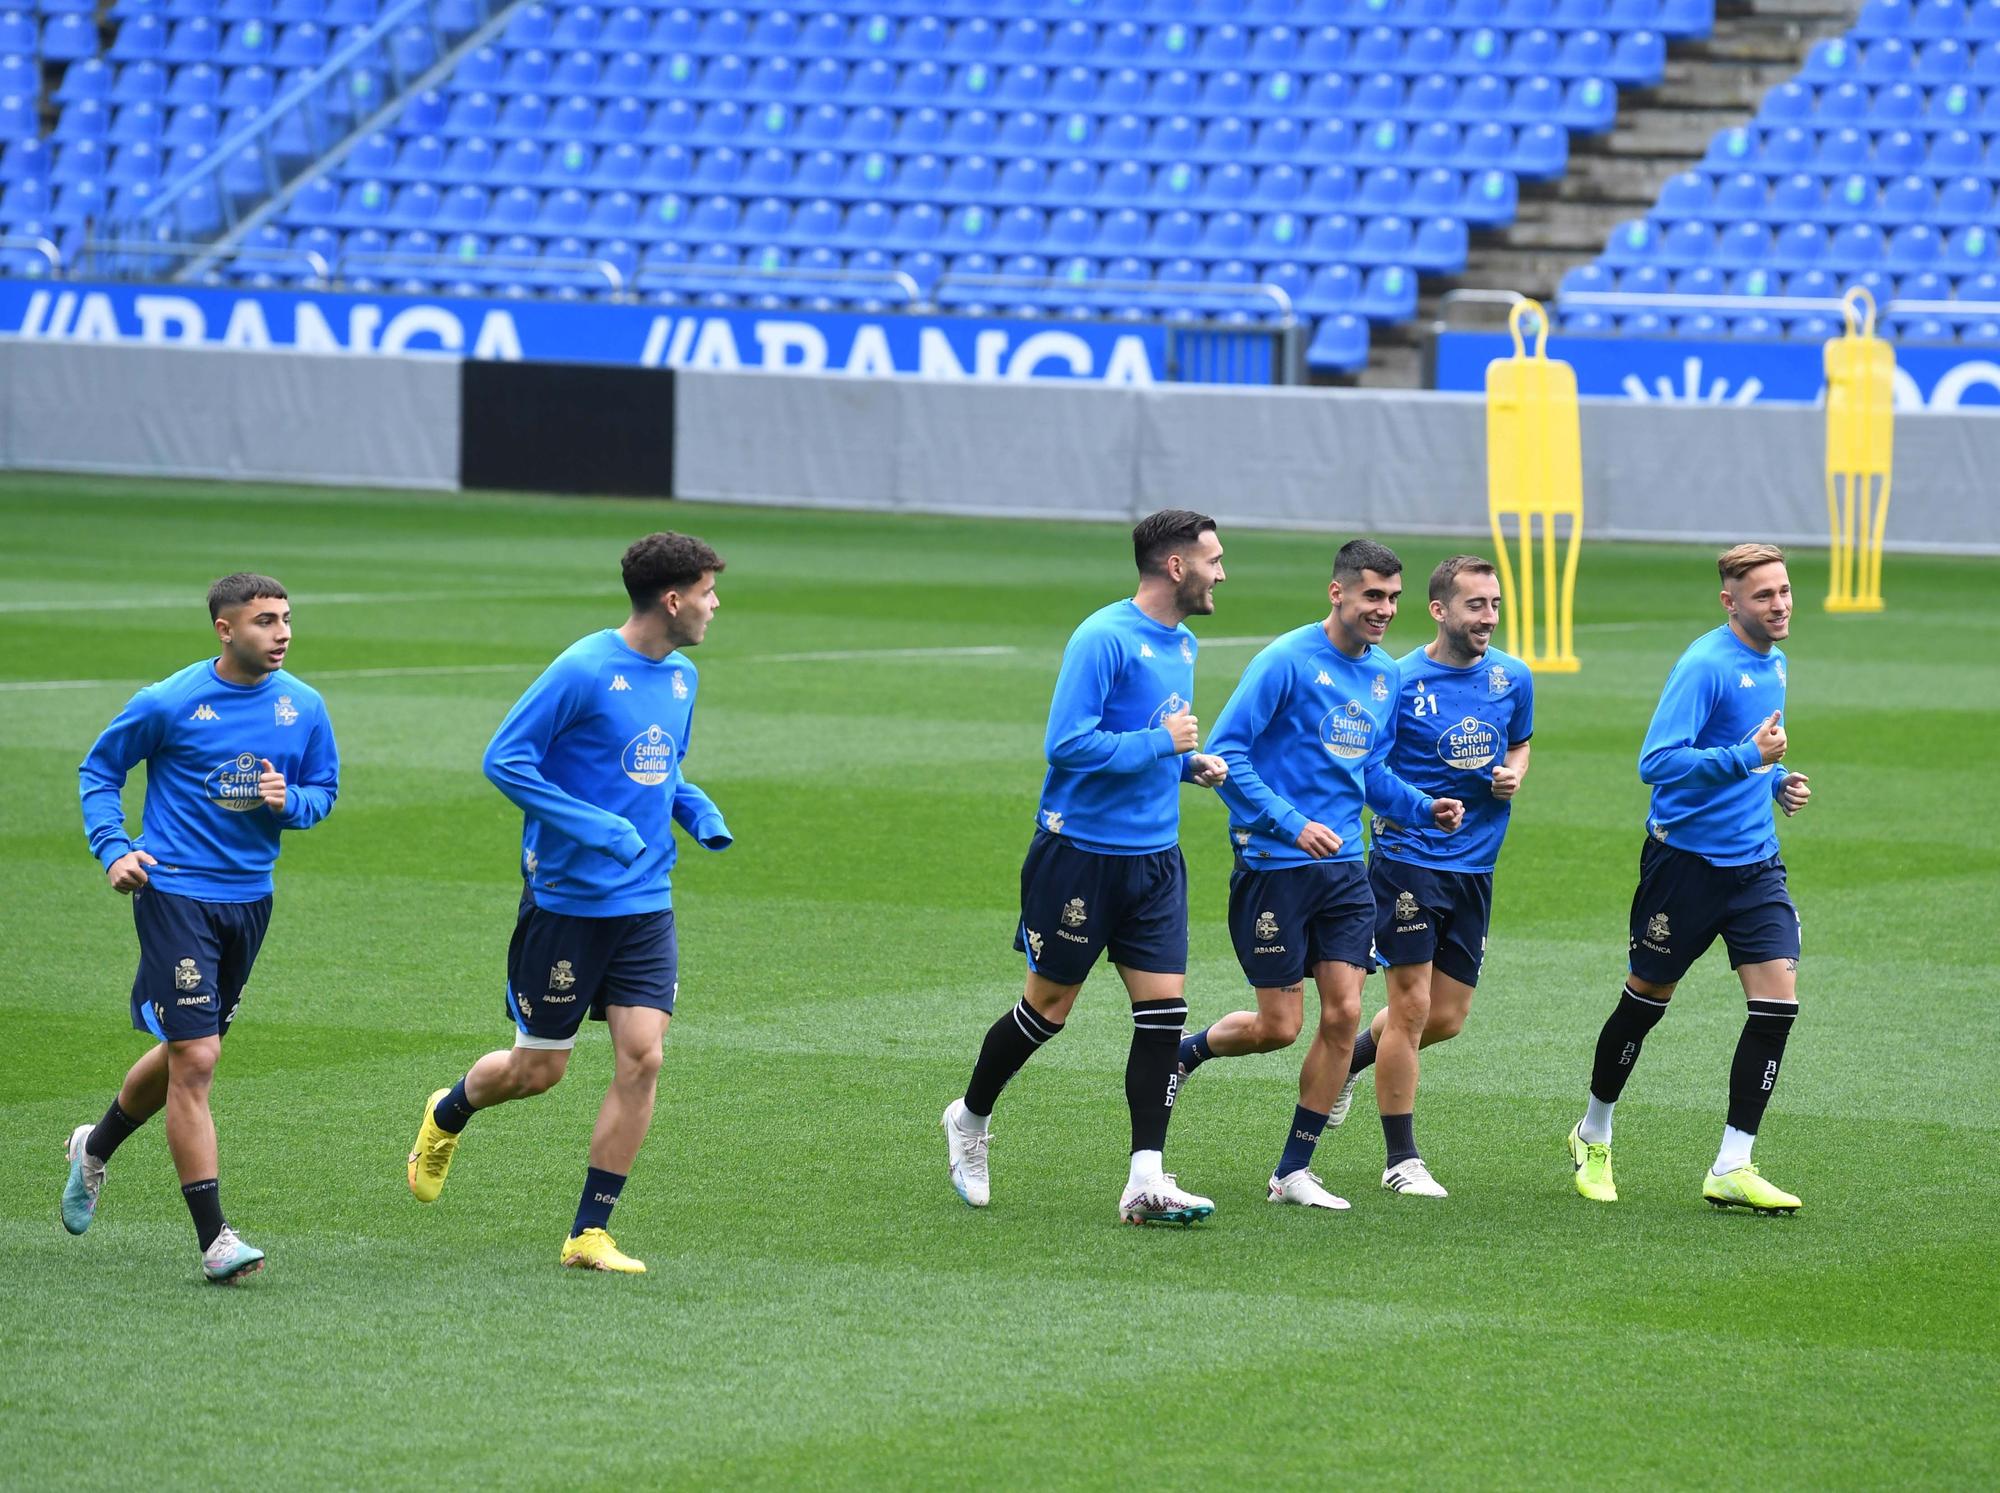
(1792, 965)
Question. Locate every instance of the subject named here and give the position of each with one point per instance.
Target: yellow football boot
(1746, 1188)
(594, 1249)
(1593, 1167)
(430, 1158)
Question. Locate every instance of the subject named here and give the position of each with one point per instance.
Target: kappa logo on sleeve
(204, 712)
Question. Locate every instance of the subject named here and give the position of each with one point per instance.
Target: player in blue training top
(1710, 866)
(1466, 711)
(236, 751)
(592, 756)
(1307, 738)
(1104, 870)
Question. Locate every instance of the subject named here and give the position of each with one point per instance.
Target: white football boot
(1305, 1188)
(965, 1154)
(1413, 1179)
(1162, 1200)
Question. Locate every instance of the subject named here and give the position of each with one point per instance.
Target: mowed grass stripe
(821, 1310)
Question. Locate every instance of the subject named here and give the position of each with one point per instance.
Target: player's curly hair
(665, 562)
(233, 591)
(1735, 563)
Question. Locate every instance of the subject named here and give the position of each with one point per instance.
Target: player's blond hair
(1735, 563)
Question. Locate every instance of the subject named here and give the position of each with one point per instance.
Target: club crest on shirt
(186, 976)
(1054, 821)
(233, 784)
(1347, 731)
(561, 976)
(1267, 926)
(1380, 688)
(649, 757)
(680, 685)
(1779, 665)
(1497, 682)
(1187, 652)
(285, 711)
(1073, 913)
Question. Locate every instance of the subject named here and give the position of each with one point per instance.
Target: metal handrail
(42, 246)
(1275, 294)
(1785, 305)
(281, 107)
(694, 270)
(93, 248)
(614, 278)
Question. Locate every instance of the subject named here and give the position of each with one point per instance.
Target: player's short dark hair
(1735, 563)
(1158, 535)
(246, 585)
(665, 562)
(1358, 555)
(1445, 577)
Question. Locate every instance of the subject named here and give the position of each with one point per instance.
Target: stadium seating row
(1851, 246)
(1946, 107)
(1749, 196)
(1765, 280)
(1891, 151)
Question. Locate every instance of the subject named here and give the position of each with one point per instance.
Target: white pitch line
(419, 671)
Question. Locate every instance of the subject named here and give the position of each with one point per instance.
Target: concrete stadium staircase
(1709, 86)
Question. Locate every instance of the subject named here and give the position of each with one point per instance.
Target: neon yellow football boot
(430, 1158)
(1593, 1167)
(594, 1249)
(1746, 1188)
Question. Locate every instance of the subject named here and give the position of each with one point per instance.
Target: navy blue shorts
(194, 959)
(1284, 922)
(1077, 904)
(1426, 916)
(561, 968)
(1683, 903)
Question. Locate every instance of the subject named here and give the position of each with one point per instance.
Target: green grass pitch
(821, 1310)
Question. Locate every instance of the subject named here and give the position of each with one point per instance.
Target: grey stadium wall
(1390, 461)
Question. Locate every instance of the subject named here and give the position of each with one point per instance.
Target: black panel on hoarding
(567, 427)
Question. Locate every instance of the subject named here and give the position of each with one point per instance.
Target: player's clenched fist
(1319, 842)
(1770, 738)
(271, 788)
(128, 872)
(1447, 813)
(1184, 728)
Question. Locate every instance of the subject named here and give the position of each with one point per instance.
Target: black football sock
(112, 1132)
(1754, 1071)
(1619, 1043)
(1010, 1042)
(1399, 1137)
(600, 1196)
(451, 1113)
(1364, 1052)
(1152, 1070)
(204, 1200)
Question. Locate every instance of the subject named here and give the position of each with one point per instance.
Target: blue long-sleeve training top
(1113, 784)
(1454, 726)
(1712, 791)
(592, 755)
(1307, 736)
(204, 742)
